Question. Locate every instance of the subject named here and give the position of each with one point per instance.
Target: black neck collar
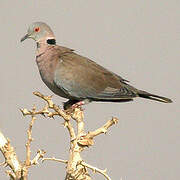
(51, 41)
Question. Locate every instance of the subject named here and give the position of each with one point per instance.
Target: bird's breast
(47, 69)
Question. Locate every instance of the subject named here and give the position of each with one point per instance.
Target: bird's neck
(41, 48)
(43, 45)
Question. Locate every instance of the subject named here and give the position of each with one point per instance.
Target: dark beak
(25, 37)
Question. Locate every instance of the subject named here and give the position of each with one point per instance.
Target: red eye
(37, 29)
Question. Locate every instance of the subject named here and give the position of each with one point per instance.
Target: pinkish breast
(47, 66)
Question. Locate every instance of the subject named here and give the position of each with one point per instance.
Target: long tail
(147, 95)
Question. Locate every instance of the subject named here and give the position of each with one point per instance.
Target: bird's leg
(69, 103)
(80, 103)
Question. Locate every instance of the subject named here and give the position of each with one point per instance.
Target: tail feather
(147, 95)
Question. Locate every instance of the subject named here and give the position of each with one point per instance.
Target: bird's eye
(37, 29)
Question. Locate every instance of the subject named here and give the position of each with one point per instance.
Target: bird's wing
(81, 78)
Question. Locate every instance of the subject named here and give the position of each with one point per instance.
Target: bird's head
(40, 32)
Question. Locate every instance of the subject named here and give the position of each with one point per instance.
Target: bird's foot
(73, 104)
(69, 103)
(69, 108)
(78, 105)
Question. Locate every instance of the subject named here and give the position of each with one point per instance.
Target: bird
(78, 78)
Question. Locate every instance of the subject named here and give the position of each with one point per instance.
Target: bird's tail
(147, 95)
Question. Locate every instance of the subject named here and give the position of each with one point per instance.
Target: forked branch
(76, 167)
(19, 170)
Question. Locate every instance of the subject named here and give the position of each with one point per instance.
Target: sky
(139, 40)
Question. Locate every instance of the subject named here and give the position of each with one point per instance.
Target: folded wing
(82, 78)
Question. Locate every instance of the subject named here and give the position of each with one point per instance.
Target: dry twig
(10, 156)
(19, 170)
(94, 169)
(54, 159)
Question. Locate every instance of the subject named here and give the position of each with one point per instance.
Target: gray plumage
(78, 78)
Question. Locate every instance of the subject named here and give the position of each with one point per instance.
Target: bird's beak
(25, 37)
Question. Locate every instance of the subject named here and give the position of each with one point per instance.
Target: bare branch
(94, 169)
(51, 105)
(11, 175)
(87, 140)
(61, 113)
(78, 116)
(76, 168)
(10, 156)
(20, 169)
(102, 129)
(54, 159)
(48, 99)
(40, 154)
(57, 110)
(70, 129)
(28, 144)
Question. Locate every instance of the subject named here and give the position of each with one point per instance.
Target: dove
(77, 78)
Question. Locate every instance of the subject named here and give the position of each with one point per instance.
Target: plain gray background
(138, 40)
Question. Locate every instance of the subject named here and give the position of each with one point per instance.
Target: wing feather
(82, 78)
